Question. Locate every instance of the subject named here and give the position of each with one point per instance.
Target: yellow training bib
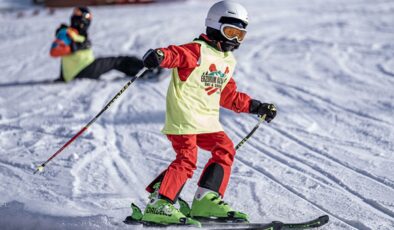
(193, 105)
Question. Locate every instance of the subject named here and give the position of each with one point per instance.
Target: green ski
(225, 224)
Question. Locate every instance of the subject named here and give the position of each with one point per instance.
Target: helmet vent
(231, 12)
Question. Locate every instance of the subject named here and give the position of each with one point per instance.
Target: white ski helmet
(226, 9)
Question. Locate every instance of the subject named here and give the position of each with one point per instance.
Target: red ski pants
(216, 173)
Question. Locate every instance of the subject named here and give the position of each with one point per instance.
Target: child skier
(201, 82)
(72, 44)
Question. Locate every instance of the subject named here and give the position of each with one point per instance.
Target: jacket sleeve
(231, 99)
(184, 56)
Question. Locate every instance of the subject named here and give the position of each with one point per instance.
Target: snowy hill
(15, 4)
(327, 64)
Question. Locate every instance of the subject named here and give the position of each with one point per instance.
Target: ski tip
(131, 221)
(324, 219)
(276, 225)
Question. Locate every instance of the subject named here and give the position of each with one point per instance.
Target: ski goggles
(233, 32)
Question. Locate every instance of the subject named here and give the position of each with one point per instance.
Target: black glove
(269, 110)
(153, 58)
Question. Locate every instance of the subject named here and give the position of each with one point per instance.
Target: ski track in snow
(327, 65)
(327, 177)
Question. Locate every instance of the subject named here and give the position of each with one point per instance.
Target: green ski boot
(162, 212)
(211, 206)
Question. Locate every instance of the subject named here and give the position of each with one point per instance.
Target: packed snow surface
(328, 65)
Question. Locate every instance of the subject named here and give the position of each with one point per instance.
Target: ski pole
(139, 74)
(262, 118)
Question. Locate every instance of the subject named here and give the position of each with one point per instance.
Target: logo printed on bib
(214, 79)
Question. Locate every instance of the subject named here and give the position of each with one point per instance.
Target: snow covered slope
(15, 4)
(327, 64)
